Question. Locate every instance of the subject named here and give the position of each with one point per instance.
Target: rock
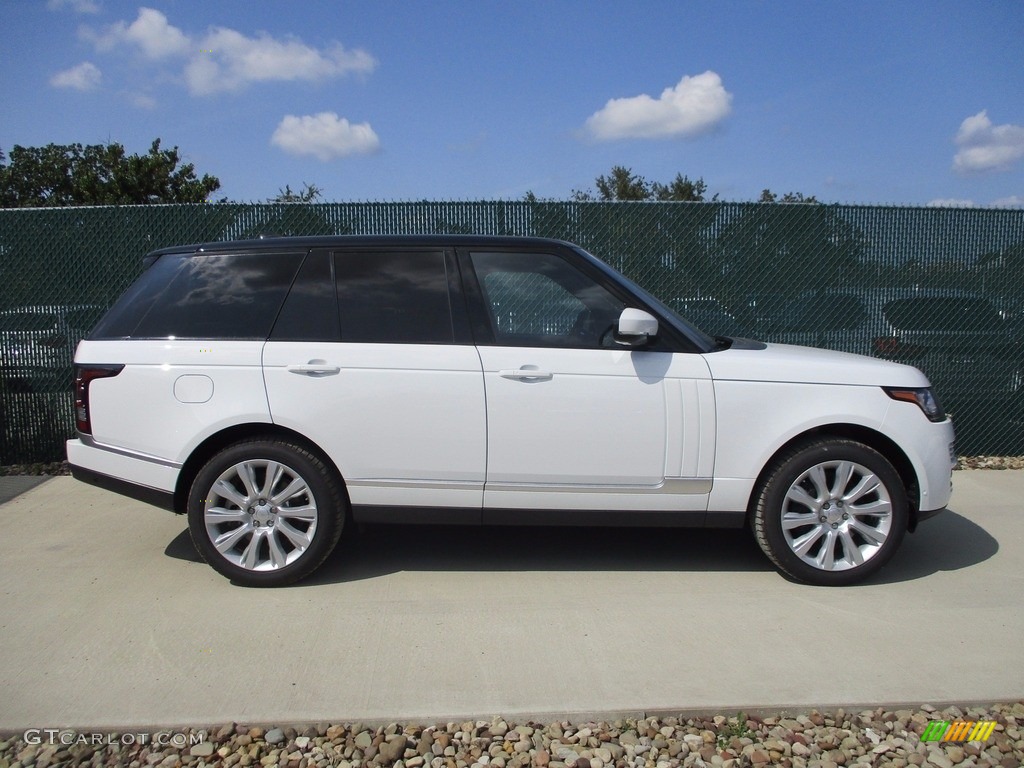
(301, 742)
(363, 739)
(202, 749)
(390, 751)
(274, 736)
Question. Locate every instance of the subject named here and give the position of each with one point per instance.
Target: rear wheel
(265, 512)
(831, 512)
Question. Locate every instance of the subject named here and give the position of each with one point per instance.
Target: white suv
(276, 390)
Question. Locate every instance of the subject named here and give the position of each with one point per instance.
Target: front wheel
(266, 512)
(831, 512)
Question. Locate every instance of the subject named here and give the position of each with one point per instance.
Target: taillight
(84, 375)
(891, 346)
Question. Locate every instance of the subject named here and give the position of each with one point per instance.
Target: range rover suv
(277, 390)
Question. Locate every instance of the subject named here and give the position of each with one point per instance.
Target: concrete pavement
(107, 619)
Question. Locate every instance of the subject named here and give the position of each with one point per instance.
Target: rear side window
(944, 314)
(394, 297)
(204, 296)
(311, 311)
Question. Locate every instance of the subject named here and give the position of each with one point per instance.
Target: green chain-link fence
(939, 288)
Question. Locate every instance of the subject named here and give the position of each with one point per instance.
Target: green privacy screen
(938, 288)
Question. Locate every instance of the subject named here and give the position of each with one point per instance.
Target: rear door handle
(315, 368)
(525, 374)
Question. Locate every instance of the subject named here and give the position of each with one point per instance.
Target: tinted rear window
(394, 297)
(943, 314)
(221, 296)
(310, 312)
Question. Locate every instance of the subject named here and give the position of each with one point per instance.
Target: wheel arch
(861, 434)
(233, 434)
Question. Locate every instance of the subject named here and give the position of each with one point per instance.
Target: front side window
(393, 297)
(539, 299)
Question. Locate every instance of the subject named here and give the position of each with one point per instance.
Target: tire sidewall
(322, 484)
(768, 515)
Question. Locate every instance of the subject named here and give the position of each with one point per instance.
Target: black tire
(268, 536)
(830, 513)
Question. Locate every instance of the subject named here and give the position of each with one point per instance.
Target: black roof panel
(348, 241)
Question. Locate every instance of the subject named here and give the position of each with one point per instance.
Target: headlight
(923, 397)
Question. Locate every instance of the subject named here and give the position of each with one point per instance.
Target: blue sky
(858, 102)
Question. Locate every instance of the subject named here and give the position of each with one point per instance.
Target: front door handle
(315, 368)
(526, 374)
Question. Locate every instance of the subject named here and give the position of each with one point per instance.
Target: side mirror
(636, 327)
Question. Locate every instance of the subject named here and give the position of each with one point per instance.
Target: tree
(98, 174)
(682, 190)
(621, 185)
(309, 193)
(767, 196)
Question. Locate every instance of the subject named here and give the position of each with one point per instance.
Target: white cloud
(987, 147)
(142, 100)
(325, 136)
(229, 61)
(1013, 201)
(83, 77)
(78, 6)
(223, 59)
(694, 106)
(950, 202)
(151, 34)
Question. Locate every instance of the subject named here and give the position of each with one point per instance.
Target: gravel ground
(806, 740)
(990, 462)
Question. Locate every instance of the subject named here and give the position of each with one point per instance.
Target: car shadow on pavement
(371, 551)
(382, 549)
(947, 543)
(182, 548)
